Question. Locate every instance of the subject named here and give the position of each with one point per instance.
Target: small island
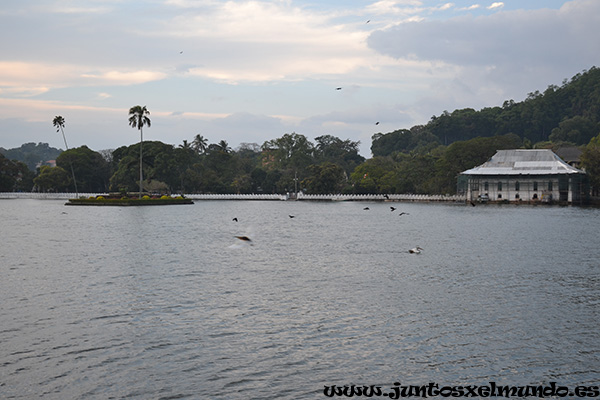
(129, 201)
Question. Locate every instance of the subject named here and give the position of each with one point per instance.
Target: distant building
(49, 163)
(524, 176)
(571, 155)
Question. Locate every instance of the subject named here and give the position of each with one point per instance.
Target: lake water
(165, 303)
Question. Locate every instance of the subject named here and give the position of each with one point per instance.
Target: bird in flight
(244, 238)
(393, 209)
(366, 208)
(403, 213)
(416, 250)
(235, 219)
(291, 216)
(338, 88)
(377, 123)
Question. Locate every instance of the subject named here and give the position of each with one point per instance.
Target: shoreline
(73, 198)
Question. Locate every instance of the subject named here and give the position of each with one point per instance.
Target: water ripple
(153, 303)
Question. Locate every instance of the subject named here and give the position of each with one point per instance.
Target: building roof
(524, 162)
(569, 154)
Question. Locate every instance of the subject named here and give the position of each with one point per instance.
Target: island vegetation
(423, 159)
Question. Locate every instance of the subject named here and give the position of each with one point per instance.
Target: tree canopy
(423, 159)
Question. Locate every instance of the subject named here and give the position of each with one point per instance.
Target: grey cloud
(564, 37)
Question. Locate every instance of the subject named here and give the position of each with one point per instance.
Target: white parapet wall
(301, 196)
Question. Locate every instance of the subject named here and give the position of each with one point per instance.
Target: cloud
(469, 8)
(39, 110)
(22, 76)
(124, 78)
(520, 38)
(477, 61)
(265, 41)
(496, 5)
(22, 79)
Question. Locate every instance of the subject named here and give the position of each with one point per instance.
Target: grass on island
(129, 201)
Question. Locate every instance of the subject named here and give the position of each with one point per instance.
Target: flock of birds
(414, 250)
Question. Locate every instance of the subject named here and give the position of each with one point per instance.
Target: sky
(251, 71)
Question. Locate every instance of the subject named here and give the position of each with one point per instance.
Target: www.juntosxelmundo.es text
(492, 389)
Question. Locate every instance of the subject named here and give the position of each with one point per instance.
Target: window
(517, 185)
(499, 186)
(486, 186)
(550, 186)
(535, 186)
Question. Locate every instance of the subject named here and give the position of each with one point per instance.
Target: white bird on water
(416, 250)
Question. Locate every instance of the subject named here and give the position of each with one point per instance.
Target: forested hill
(569, 113)
(31, 154)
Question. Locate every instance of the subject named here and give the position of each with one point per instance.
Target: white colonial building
(525, 175)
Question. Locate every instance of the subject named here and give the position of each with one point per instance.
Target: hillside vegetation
(423, 159)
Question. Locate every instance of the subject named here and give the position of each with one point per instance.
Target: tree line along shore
(425, 159)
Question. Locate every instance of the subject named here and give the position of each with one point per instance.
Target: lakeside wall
(280, 197)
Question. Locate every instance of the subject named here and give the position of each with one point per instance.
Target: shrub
(164, 197)
(100, 198)
(146, 197)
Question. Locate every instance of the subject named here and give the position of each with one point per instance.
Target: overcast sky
(251, 71)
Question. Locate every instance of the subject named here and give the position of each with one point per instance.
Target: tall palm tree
(138, 117)
(59, 124)
(200, 144)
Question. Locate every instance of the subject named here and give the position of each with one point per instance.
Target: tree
(138, 117)
(14, 176)
(92, 168)
(199, 144)
(185, 146)
(344, 153)
(32, 154)
(52, 179)
(463, 155)
(590, 159)
(59, 124)
(290, 151)
(324, 178)
(224, 146)
(376, 175)
(159, 163)
(577, 130)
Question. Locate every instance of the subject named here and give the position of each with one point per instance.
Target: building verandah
(549, 188)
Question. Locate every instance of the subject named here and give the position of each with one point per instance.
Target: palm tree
(138, 117)
(200, 144)
(59, 124)
(224, 146)
(185, 145)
